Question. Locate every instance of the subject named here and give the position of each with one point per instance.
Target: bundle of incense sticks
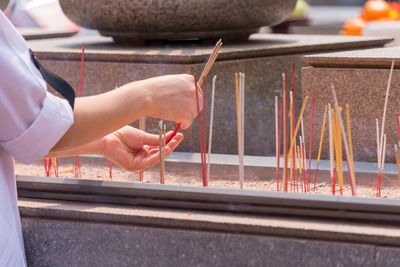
(202, 126)
(240, 92)
(380, 138)
(77, 163)
(211, 125)
(142, 126)
(162, 142)
(350, 165)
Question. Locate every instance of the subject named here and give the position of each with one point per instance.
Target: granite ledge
(380, 58)
(212, 221)
(260, 45)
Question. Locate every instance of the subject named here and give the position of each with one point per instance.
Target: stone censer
(134, 21)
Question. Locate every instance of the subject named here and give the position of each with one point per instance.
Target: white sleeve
(31, 119)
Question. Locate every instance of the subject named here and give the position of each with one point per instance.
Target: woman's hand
(174, 98)
(134, 150)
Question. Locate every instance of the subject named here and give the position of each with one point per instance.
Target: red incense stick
(110, 168)
(311, 134)
(285, 130)
(334, 180)
(174, 133)
(279, 145)
(293, 126)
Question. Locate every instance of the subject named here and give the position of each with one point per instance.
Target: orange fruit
(376, 10)
(353, 26)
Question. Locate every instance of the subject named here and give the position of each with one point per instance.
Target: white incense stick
(241, 127)
(384, 155)
(385, 107)
(211, 126)
(331, 159)
(276, 133)
(346, 145)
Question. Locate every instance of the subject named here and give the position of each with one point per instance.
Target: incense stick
(382, 164)
(396, 149)
(378, 157)
(277, 139)
(142, 127)
(311, 134)
(298, 124)
(300, 167)
(331, 153)
(303, 155)
(162, 151)
(210, 61)
(279, 144)
(293, 124)
(200, 132)
(350, 140)
(385, 107)
(321, 139)
(211, 125)
(205, 178)
(338, 150)
(346, 145)
(291, 133)
(77, 163)
(285, 132)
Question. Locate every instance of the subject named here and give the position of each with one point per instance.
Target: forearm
(97, 116)
(94, 147)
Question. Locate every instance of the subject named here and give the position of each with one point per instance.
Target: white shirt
(31, 122)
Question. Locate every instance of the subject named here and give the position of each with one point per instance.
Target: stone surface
(133, 21)
(367, 58)
(364, 90)
(42, 33)
(77, 234)
(262, 59)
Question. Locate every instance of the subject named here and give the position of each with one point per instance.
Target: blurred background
(329, 17)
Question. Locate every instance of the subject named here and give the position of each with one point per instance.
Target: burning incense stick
(285, 132)
(311, 134)
(210, 61)
(321, 139)
(200, 134)
(346, 145)
(211, 125)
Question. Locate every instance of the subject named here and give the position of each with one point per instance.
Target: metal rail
(211, 199)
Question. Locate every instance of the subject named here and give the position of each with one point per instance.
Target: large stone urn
(130, 21)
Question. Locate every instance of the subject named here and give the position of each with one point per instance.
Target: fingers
(154, 157)
(152, 139)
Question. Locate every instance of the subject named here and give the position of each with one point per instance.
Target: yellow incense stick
(297, 126)
(298, 156)
(350, 141)
(339, 155)
(322, 136)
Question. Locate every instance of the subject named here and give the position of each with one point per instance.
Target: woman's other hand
(135, 150)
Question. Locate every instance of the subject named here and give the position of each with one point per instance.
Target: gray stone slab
(42, 33)
(68, 243)
(387, 256)
(366, 58)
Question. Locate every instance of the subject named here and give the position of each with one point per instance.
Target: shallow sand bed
(100, 171)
